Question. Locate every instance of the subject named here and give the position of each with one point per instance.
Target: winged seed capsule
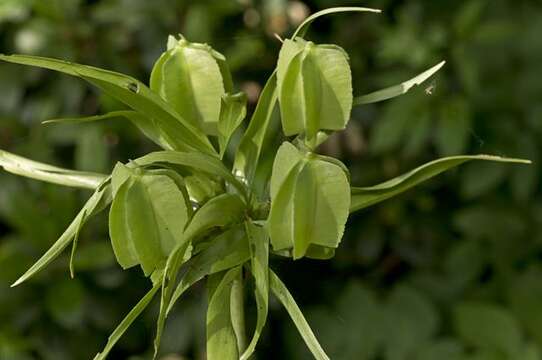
(315, 88)
(310, 201)
(147, 217)
(192, 77)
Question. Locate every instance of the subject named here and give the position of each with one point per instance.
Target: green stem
(238, 313)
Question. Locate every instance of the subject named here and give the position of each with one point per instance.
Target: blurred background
(451, 270)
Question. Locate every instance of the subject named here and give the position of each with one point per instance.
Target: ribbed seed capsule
(310, 201)
(192, 77)
(315, 88)
(147, 218)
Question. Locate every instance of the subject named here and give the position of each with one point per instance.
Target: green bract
(183, 215)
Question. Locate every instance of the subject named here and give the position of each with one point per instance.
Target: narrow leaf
(237, 311)
(127, 321)
(179, 254)
(227, 250)
(220, 211)
(265, 123)
(145, 125)
(21, 166)
(396, 90)
(75, 242)
(281, 292)
(221, 339)
(363, 197)
(97, 202)
(259, 266)
(180, 134)
(232, 113)
(303, 27)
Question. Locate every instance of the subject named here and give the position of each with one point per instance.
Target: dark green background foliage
(452, 270)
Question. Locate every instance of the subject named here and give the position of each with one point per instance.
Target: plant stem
(238, 313)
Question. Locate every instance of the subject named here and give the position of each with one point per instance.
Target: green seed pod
(310, 201)
(147, 218)
(315, 88)
(192, 77)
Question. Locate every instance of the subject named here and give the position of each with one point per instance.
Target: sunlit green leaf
(98, 200)
(227, 250)
(221, 339)
(303, 27)
(217, 212)
(396, 90)
(179, 134)
(21, 166)
(82, 221)
(283, 295)
(264, 124)
(145, 125)
(127, 321)
(259, 266)
(232, 113)
(363, 197)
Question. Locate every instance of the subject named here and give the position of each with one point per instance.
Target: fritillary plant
(183, 215)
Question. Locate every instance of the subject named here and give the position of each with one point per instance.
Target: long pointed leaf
(101, 197)
(145, 125)
(75, 242)
(232, 114)
(29, 168)
(127, 321)
(363, 197)
(259, 264)
(219, 211)
(281, 292)
(396, 90)
(179, 133)
(226, 251)
(221, 339)
(302, 28)
(174, 262)
(256, 151)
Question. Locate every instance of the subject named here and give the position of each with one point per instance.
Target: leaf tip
(277, 36)
(18, 282)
